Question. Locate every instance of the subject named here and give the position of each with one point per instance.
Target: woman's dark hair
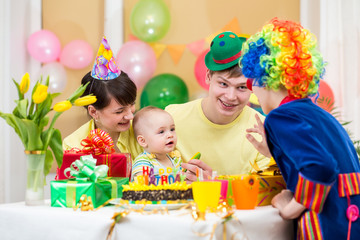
(234, 71)
(122, 89)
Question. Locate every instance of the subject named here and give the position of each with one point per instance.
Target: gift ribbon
(85, 169)
(97, 142)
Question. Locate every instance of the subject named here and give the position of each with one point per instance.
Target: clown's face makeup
(227, 97)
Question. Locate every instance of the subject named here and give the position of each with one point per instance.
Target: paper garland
(176, 51)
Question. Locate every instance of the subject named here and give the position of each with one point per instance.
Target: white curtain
(337, 26)
(18, 19)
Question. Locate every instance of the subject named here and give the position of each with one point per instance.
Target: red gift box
(119, 164)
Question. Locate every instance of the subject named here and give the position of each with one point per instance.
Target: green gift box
(63, 192)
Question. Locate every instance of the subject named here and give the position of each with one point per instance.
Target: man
(216, 125)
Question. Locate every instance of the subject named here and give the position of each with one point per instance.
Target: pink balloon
(44, 46)
(138, 60)
(77, 54)
(200, 70)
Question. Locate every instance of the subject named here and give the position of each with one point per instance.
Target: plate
(169, 206)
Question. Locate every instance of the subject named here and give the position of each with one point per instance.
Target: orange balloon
(326, 97)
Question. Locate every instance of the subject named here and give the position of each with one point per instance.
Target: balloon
(199, 94)
(44, 46)
(150, 20)
(138, 60)
(164, 89)
(76, 55)
(57, 76)
(200, 70)
(326, 99)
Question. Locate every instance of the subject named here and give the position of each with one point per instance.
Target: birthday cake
(174, 191)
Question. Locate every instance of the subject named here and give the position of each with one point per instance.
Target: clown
(315, 154)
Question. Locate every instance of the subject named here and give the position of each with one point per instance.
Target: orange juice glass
(245, 192)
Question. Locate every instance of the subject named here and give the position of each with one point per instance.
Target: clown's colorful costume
(315, 154)
(319, 164)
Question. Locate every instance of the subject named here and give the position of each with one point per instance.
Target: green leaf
(43, 122)
(34, 134)
(18, 89)
(54, 95)
(48, 162)
(17, 125)
(78, 92)
(43, 109)
(56, 146)
(21, 107)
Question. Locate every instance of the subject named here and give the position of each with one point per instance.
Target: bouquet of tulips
(30, 118)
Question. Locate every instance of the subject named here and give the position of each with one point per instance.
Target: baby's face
(159, 133)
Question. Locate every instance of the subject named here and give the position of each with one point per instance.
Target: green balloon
(164, 89)
(150, 20)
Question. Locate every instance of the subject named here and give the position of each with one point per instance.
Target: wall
(190, 21)
(71, 20)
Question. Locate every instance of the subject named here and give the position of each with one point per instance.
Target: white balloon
(199, 94)
(57, 76)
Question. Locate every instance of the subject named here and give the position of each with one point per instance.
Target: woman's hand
(262, 146)
(191, 167)
(287, 205)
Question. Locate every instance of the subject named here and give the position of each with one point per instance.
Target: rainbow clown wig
(283, 54)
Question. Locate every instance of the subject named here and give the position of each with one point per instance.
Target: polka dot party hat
(105, 67)
(225, 51)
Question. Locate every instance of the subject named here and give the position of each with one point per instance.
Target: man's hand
(191, 167)
(262, 146)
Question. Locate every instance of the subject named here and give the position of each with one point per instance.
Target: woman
(115, 106)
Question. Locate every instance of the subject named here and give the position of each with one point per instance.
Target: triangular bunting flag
(211, 37)
(232, 26)
(176, 51)
(132, 37)
(196, 47)
(158, 48)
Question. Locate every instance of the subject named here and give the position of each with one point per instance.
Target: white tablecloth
(18, 221)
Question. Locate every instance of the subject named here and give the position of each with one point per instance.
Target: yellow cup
(245, 192)
(206, 195)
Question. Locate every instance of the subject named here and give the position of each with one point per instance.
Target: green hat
(225, 51)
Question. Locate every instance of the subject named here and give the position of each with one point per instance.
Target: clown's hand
(261, 146)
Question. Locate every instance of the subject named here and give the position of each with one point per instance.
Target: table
(18, 221)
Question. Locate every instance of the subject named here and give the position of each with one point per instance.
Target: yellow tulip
(40, 94)
(62, 106)
(83, 101)
(25, 83)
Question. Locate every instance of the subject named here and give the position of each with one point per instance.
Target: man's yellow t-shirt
(126, 142)
(224, 148)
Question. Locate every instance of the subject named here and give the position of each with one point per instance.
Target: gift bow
(86, 168)
(98, 142)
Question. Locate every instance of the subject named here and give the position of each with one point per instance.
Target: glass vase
(35, 178)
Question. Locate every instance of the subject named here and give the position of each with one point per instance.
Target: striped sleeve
(311, 194)
(138, 164)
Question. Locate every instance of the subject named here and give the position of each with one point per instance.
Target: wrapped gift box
(64, 192)
(269, 187)
(119, 164)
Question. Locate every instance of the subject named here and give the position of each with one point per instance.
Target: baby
(154, 129)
